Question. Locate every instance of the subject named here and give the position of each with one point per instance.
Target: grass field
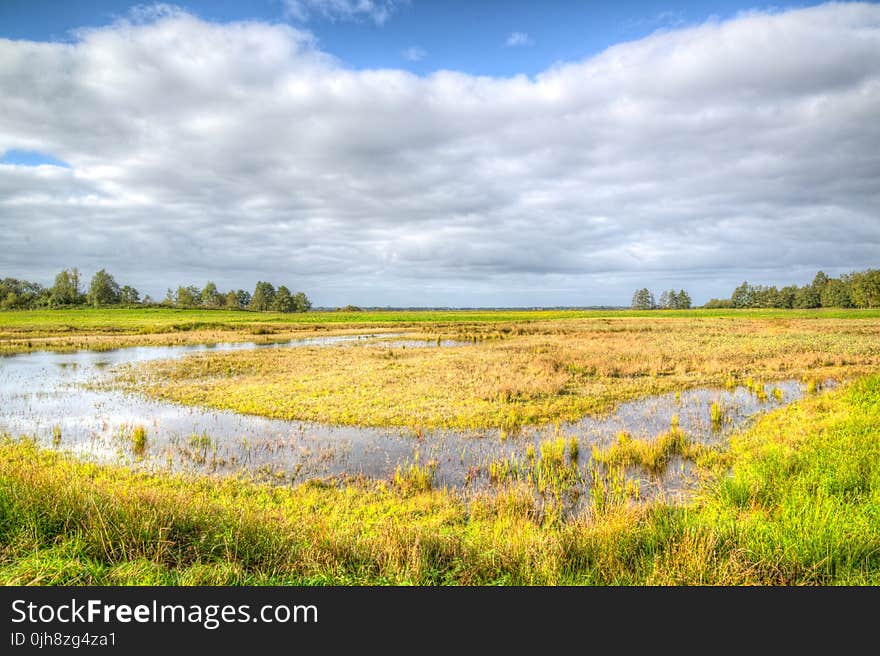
(86, 328)
(121, 320)
(111, 328)
(794, 499)
(516, 373)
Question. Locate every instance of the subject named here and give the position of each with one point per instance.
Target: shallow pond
(43, 394)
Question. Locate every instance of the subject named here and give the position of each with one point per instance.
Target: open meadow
(508, 447)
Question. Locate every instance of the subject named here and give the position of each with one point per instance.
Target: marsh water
(51, 396)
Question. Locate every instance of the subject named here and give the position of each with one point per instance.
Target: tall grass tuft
(414, 478)
(139, 440)
(573, 449)
(650, 454)
(610, 489)
(716, 414)
(200, 441)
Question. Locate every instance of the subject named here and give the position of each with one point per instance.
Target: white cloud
(414, 54)
(151, 12)
(660, 21)
(378, 11)
(238, 152)
(518, 39)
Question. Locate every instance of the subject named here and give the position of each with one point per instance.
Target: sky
(416, 153)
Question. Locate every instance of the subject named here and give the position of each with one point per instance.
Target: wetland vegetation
(544, 492)
(795, 499)
(518, 375)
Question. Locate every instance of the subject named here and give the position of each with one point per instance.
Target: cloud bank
(698, 157)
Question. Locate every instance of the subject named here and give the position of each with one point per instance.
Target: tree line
(103, 291)
(643, 299)
(860, 289)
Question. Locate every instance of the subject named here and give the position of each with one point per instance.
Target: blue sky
(380, 152)
(30, 158)
(462, 35)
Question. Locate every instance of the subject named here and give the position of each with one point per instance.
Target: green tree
(683, 300)
(301, 302)
(819, 282)
(807, 297)
(764, 297)
(643, 299)
(11, 301)
(263, 298)
(743, 296)
(103, 290)
(283, 300)
(129, 295)
(787, 296)
(244, 298)
(232, 300)
(15, 294)
(209, 296)
(837, 293)
(866, 288)
(776, 298)
(66, 289)
(187, 297)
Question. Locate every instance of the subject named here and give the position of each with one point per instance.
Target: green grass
(413, 478)
(795, 500)
(200, 440)
(139, 440)
(716, 414)
(160, 319)
(105, 329)
(169, 319)
(651, 454)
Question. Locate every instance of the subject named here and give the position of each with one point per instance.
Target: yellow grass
(515, 374)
